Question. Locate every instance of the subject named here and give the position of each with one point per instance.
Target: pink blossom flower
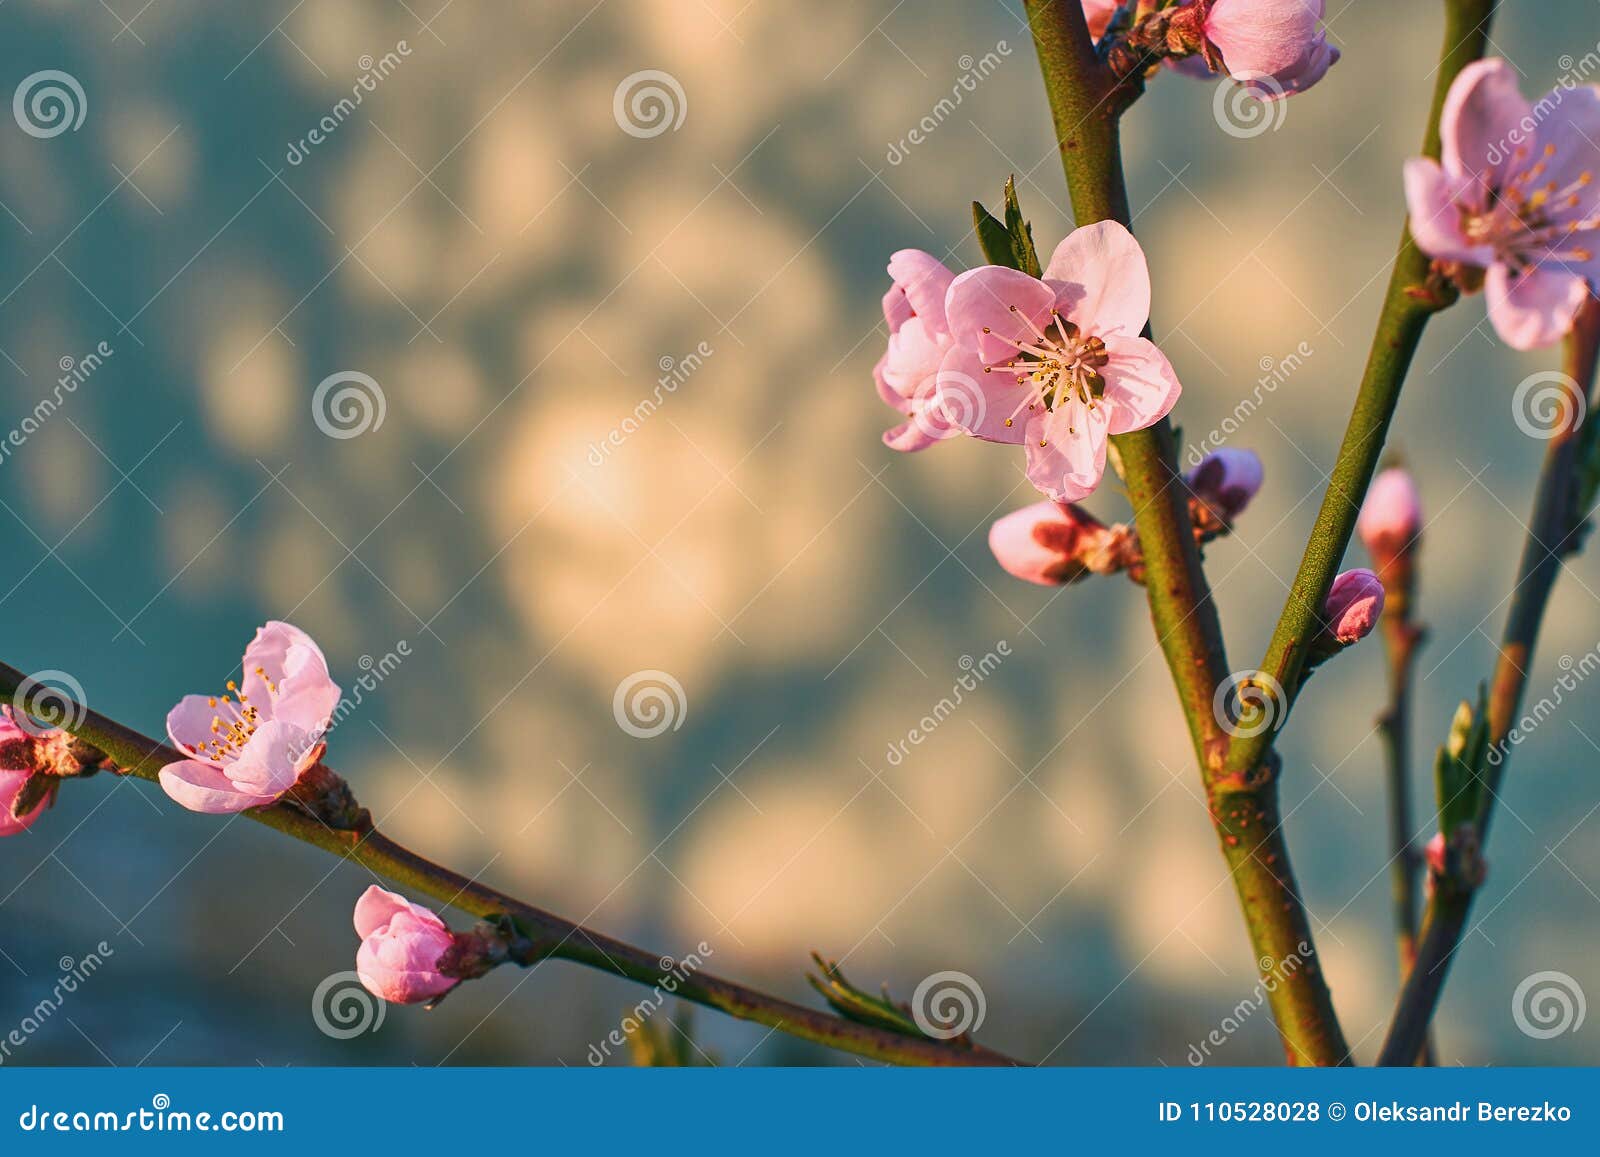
(908, 372)
(1277, 47)
(1514, 193)
(12, 779)
(1354, 603)
(1226, 480)
(401, 946)
(247, 751)
(1058, 364)
(1044, 543)
(1391, 517)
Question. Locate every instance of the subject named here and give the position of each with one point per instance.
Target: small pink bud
(1434, 853)
(1391, 517)
(401, 946)
(12, 779)
(1226, 480)
(1354, 603)
(1044, 543)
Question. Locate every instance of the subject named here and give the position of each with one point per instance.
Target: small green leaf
(852, 1003)
(1008, 243)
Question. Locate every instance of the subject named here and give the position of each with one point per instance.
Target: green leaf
(1008, 243)
(852, 1003)
(1459, 767)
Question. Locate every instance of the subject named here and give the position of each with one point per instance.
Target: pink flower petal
(1535, 309)
(1072, 460)
(1433, 200)
(1481, 117)
(1264, 37)
(189, 724)
(924, 280)
(272, 759)
(1037, 543)
(200, 787)
(1000, 300)
(979, 402)
(1107, 281)
(1141, 385)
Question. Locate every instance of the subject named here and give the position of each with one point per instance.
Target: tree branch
(1407, 307)
(1555, 531)
(549, 936)
(1085, 107)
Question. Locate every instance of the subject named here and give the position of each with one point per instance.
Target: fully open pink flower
(12, 779)
(908, 372)
(249, 745)
(401, 944)
(1514, 194)
(1057, 364)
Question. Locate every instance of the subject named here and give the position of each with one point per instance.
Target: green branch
(1084, 103)
(548, 936)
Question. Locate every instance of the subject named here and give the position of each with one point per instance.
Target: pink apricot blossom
(1513, 193)
(908, 372)
(12, 779)
(1278, 47)
(1057, 364)
(1391, 517)
(401, 946)
(1354, 603)
(249, 745)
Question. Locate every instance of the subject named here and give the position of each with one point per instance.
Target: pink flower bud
(1279, 47)
(13, 778)
(1354, 603)
(1433, 854)
(401, 946)
(1226, 480)
(1391, 517)
(1044, 543)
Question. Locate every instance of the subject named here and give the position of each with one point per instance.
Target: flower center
(1527, 222)
(1060, 364)
(235, 722)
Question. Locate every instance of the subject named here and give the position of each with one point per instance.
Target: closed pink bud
(1044, 543)
(1278, 44)
(401, 947)
(1226, 480)
(1354, 603)
(12, 779)
(1391, 517)
(1433, 854)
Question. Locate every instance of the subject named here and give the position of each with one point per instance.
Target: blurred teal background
(482, 238)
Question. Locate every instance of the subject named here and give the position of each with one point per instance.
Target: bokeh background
(485, 241)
